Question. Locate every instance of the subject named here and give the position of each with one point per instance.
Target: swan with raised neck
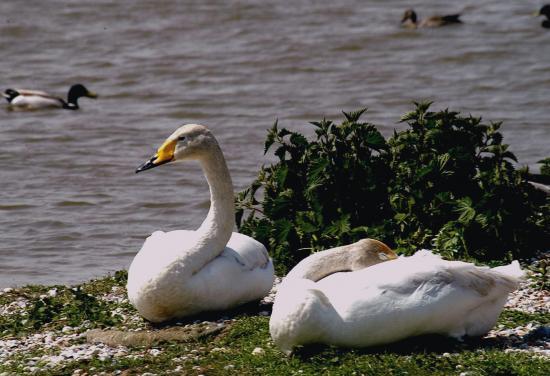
(181, 273)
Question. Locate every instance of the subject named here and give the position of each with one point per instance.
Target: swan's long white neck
(216, 229)
(218, 224)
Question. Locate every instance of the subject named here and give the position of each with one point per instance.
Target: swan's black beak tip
(153, 162)
(147, 165)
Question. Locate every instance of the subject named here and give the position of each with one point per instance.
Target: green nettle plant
(545, 168)
(321, 193)
(456, 190)
(445, 183)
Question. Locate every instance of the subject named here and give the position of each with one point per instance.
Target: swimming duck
(389, 301)
(410, 20)
(34, 99)
(545, 11)
(182, 273)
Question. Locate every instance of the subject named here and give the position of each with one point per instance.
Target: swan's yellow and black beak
(91, 94)
(163, 155)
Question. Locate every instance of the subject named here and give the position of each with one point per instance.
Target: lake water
(71, 207)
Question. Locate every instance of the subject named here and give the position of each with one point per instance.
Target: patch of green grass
(512, 318)
(234, 346)
(415, 357)
(105, 285)
(540, 276)
(68, 306)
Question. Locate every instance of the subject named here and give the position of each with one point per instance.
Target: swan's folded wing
(457, 283)
(420, 279)
(486, 281)
(163, 246)
(250, 253)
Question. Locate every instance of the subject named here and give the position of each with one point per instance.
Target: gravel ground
(532, 337)
(69, 344)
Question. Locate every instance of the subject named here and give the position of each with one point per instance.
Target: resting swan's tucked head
(190, 141)
(347, 258)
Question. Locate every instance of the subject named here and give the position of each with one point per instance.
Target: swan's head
(368, 252)
(190, 141)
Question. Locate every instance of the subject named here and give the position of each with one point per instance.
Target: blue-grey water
(71, 207)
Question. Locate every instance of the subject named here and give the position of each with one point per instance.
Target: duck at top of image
(544, 11)
(182, 273)
(410, 20)
(330, 298)
(23, 99)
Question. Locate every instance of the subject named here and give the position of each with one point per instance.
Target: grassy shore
(43, 331)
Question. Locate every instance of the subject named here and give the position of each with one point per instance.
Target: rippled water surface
(71, 206)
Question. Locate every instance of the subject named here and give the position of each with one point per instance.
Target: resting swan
(34, 99)
(390, 301)
(181, 273)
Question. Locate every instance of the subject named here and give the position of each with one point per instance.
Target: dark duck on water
(544, 11)
(34, 99)
(410, 20)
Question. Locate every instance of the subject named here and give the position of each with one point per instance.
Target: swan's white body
(181, 273)
(387, 302)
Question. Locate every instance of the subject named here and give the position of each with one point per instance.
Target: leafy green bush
(456, 190)
(446, 183)
(314, 196)
(545, 168)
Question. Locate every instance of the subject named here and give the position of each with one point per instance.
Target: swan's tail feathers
(492, 287)
(486, 282)
(512, 270)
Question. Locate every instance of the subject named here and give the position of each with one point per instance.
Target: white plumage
(181, 273)
(390, 301)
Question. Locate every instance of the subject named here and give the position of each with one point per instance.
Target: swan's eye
(382, 256)
(182, 141)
